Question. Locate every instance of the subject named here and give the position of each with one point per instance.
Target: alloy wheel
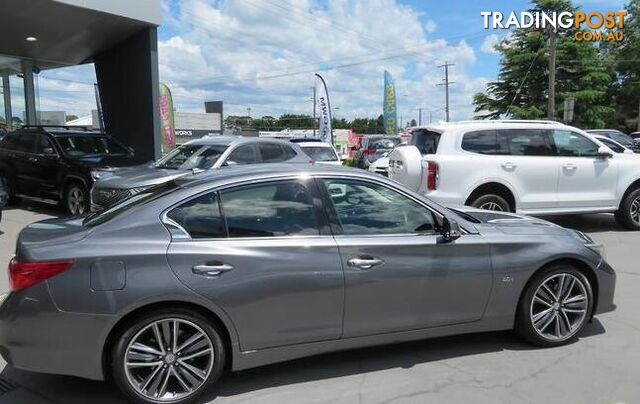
(76, 201)
(559, 306)
(169, 360)
(635, 210)
(491, 206)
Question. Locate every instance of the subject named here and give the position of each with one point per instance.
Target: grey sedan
(256, 265)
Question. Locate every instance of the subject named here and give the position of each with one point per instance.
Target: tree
(521, 89)
(71, 117)
(622, 59)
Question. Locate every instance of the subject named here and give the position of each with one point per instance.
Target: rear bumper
(36, 336)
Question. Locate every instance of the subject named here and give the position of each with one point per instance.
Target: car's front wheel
(168, 356)
(555, 306)
(628, 215)
(76, 199)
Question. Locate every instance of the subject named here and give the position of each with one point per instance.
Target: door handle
(211, 270)
(569, 166)
(33, 159)
(364, 262)
(509, 165)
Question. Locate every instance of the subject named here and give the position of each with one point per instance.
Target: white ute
(528, 167)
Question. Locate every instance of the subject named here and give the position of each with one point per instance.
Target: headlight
(101, 173)
(590, 244)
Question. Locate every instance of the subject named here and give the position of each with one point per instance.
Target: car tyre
(491, 202)
(195, 373)
(555, 306)
(76, 199)
(628, 215)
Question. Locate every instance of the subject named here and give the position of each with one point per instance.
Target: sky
(262, 55)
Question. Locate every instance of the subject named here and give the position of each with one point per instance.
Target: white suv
(529, 167)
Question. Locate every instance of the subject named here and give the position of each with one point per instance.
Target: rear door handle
(508, 165)
(569, 166)
(211, 269)
(364, 262)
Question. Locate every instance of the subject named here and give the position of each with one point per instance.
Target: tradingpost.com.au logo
(596, 22)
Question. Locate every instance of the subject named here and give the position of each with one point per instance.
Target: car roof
(269, 170)
(228, 140)
(483, 124)
(59, 131)
(315, 144)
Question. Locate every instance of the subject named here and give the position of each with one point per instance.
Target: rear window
(425, 140)
(319, 153)
(24, 142)
(89, 145)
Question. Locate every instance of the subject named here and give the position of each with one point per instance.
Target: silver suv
(208, 153)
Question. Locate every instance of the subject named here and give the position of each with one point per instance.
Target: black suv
(56, 163)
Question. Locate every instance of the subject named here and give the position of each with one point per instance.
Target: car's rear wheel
(555, 306)
(76, 199)
(168, 356)
(628, 215)
(491, 202)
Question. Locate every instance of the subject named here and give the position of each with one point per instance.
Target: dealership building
(118, 36)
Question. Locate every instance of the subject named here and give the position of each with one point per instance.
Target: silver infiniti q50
(255, 265)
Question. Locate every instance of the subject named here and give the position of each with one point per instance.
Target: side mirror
(604, 152)
(48, 151)
(450, 230)
(628, 151)
(229, 163)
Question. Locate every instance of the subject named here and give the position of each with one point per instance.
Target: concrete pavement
(602, 367)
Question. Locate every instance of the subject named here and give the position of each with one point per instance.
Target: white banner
(324, 109)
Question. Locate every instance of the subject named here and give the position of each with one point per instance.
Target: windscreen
(190, 156)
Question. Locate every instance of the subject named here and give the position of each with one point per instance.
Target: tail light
(25, 274)
(432, 175)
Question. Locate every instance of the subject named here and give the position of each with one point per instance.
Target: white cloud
(489, 44)
(430, 26)
(263, 53)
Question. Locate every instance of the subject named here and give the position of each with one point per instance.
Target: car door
(22, 154)
(586, 180)
(47, 167)
(258, 253)
(398, 276)
(529, 168)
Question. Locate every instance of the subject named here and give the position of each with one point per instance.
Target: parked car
(319, 151)
(381, 165)
(55, 163)
(372, 147)
(620, 137)
(613, 145)
(255, 265)
(530, 167)
(207, 153)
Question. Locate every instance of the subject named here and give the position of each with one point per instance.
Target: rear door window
(283, 208)
(245, 154)
(200, 217)
(526, 142)
(271, 152)
(484, 142)
(425, 140)
(569, 143)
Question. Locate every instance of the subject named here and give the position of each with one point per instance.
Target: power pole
(314, 111)
(249, 112)
(419, 116)
(551, 107)
(430, 116)
(446, 84)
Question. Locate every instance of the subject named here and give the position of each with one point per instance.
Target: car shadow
(36, 206)
(592, 223)
(72, 390)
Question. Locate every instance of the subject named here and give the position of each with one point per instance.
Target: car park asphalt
(602, 367)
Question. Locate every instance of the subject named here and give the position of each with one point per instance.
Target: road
(602, 367)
